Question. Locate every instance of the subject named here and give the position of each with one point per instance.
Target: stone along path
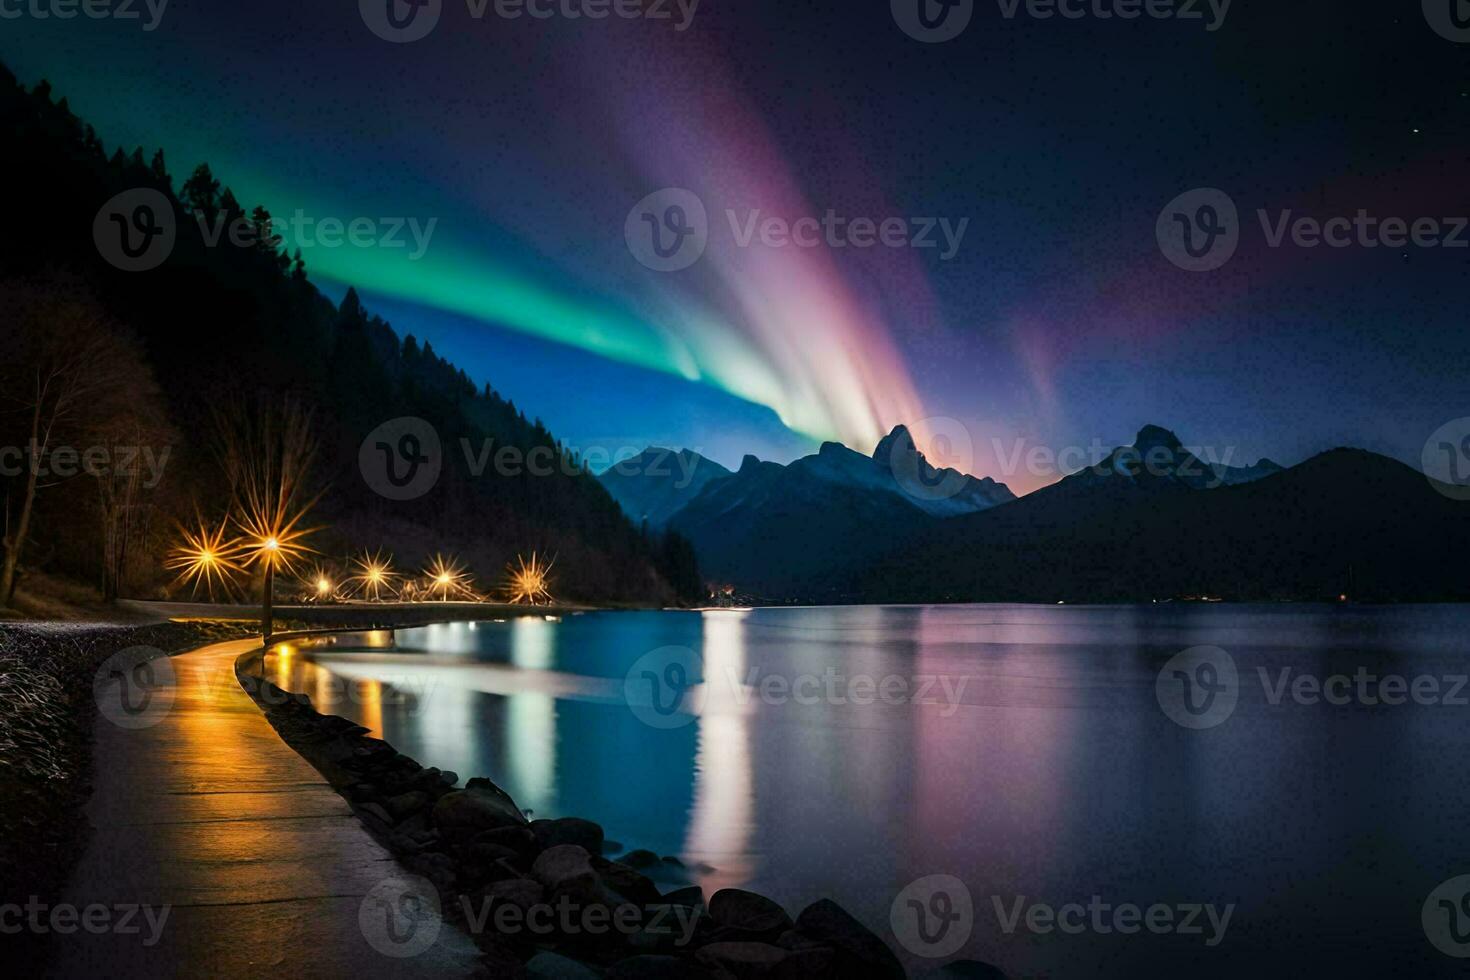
(200, 809)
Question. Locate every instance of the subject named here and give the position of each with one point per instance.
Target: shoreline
(487, 864)
(48, 730)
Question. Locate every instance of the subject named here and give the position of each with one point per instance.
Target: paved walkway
(262, 864)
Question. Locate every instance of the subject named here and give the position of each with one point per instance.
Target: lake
(1062, 791)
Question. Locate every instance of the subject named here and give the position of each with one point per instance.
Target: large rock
(741, 960)
(691, 897)
(406, 804)
(554, 966)
(464, 813)
(640, 859)
(628, 884)
(438, 868)
(568, 830)
(657, 968)
(565, 868)
(518, 839)
(487, 854)
(820, 963)
(523, 893)
(749, 912)
(433, 781)
(796, 942)
(376, 817)
(965, 970)
(498, 958)
(858, 948)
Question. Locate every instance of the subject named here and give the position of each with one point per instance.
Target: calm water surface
(1039, 766)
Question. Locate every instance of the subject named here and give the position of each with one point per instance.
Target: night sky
(1058, 320)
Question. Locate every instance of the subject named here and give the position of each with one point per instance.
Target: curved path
(262, 865)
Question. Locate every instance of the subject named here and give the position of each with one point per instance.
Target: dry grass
(53, 598)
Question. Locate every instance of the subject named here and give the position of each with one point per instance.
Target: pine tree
(201, 191)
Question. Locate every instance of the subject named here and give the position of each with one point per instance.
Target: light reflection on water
(1053, 776)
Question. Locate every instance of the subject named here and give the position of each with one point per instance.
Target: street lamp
(270, 550)
(274, 545)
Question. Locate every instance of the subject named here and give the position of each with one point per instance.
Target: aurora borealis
(1056, 322)
(789, 337)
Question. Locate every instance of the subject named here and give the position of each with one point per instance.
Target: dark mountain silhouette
(783, 531)
(1156, 460)
(779, 532)
(654, 485)
(1234, 476)
(1151, 521)
(232, 322)
(1345, 523)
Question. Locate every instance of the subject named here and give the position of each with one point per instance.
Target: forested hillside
(106, 360)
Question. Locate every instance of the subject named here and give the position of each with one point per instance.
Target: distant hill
(779, 532)
(1157, 458)
(788, 531)
(1150, 521)
(1345, 523)
(654, 485)
(1233, 476)
(232, 322)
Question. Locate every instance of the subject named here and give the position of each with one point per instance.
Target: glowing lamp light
(447, 575)
(530, 581)
(275, 542)
(205, 558)
(374, 572)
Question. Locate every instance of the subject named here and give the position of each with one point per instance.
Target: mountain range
(778, 528)
(1150, 521)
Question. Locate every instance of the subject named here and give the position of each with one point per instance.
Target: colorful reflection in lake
(1038, 765)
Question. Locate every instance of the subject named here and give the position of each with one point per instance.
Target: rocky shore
(544, 898)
